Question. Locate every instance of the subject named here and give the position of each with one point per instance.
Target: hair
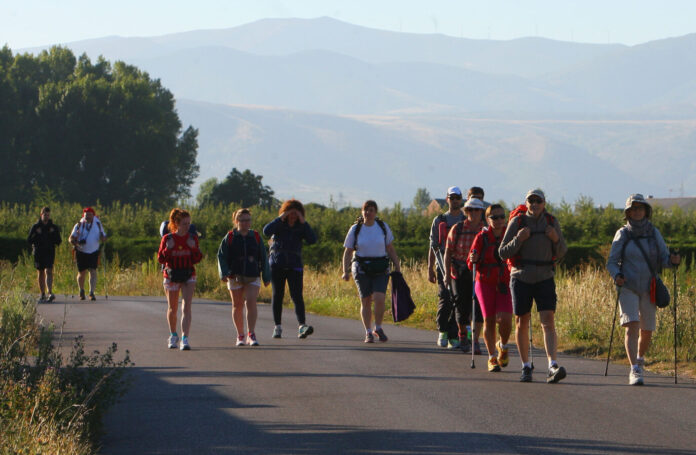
(370, 203)
(239, 213)
(492, 207)
(46, 209)
(175, 217)
(648, 211)
(474, 190)
(291, 204)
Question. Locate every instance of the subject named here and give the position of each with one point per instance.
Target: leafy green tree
(243, 188)
(421, 199)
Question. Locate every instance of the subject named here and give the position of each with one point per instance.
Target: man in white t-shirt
(86, 237)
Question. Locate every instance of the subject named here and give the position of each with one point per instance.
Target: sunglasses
(497, 217)
(455, 197)
(535, 200)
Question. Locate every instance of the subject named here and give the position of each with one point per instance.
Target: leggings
(294, 278)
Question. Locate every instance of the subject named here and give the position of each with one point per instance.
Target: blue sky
(26, 23)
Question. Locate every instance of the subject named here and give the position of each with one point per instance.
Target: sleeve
(266, 271)
(615, 253)
(196, 254)
(75, 228)
(510, 245)
(163, 252)
(476, 246)
(32, 235)
(560, 248)
(309, 235)
(435, 233)
(662, 250)
(349, 242)
(56, 236)
(451, 237)
(271, 227)
(390, 236)
(223, 263)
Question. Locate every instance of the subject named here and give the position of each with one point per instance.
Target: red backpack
(520, 212)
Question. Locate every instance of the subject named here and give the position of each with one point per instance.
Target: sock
(527, 364)
(277, 326)
(368, 331)
(173, 334)
(184, 337)
(640, 360)
(491, 357)
(377, 327)
(503, 346)
(552, 363)
(636, 368)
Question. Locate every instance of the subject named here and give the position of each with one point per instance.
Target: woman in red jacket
(179, 252)
(493, 286)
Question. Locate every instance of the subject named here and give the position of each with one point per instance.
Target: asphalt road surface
(333, 394)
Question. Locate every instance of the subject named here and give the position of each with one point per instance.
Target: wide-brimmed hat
(638, 198)
(474, 203)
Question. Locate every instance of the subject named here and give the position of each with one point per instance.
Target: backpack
(520, 213)
(230, 237)
(359, 225)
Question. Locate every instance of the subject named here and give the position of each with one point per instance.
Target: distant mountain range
(319, 107)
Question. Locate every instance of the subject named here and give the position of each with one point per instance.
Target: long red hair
(175, 217)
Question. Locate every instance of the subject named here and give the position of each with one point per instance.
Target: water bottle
(468, 332)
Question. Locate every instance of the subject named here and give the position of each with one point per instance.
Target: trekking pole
(473, 319)
(531, 342)
(674, 315)
(611, 338)
(106, 290)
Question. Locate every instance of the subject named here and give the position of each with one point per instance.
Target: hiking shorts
(87, 260)
(170, 285)
(233, 284)
(637, 307)
(492, 302)
(368, 285)
(44, 260)
(543, 293)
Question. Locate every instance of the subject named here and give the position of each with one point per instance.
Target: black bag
(402, 303)
(373, 266)
(179, 275)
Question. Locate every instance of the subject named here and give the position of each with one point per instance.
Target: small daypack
(520, 212)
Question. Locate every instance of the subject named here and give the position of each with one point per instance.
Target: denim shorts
(367, 285)
(543, 293)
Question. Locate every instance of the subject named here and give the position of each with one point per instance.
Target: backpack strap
(359, 225)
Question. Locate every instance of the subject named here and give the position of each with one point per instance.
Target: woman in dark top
(287, 233)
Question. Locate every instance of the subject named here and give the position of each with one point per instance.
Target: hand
(523, 234)
(552, 234)
(397, 268)
(300, 217)
(190, 242)
(38, 230)
(619, 280)
(448, 281)
(675, 258)
(170, 243)
(283, 216)
(431, 276)
(474, 257)
(346, 276)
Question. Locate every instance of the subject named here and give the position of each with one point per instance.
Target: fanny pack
(179, 275)
(373, 266)
(242, 279)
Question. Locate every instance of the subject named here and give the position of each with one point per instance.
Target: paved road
(332, 394)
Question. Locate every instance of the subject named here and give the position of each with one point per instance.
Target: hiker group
(488, 265)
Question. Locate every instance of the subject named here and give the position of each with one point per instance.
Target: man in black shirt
(44, 236)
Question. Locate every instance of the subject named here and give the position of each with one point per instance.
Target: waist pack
(373, 266)
(242, 279)
(179, 275)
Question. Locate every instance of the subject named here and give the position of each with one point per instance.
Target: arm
(615, 254)
(272, 227)
(196, 254)
(559, 247)
(223, 267)
(56, 236)
(431, 265)
(391, 252)
(73, 235)
(511, 243)
(433, 243)
(32, 235)
(162, 254)
(475, 254)
(309, 235)
(448, 264)
(347, 257)
(266, 270)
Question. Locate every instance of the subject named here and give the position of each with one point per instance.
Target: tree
(243, 188)
(421, 199)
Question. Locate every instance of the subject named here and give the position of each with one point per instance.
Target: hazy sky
(26, 23)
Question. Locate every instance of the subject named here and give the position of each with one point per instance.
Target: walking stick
(106, 290)
(674, 315)
(531, 343)
(473, 311)
(613, 323)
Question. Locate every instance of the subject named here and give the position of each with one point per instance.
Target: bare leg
(81, 279)
(549, 328)
(92, 281)
(187, 290)
(172, 308)
(631, 340)
(250, 294)
(379, 298)
(41, 277)
(522, 336)
(489, 334)
(644, 342)
(366, 312)
(504, 326)
(49, 280)
(238, 310)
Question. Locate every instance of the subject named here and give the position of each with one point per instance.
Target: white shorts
(170, 285)
(637, 307)
(233, 284)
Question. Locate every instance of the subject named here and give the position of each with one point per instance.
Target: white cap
(454, 190)
(474, 203)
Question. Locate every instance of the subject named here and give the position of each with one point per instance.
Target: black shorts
(543, 292)
(87, 260)
(44, 260)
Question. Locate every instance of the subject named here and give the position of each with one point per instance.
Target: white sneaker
(171, 344)
(251, 339)
(277, 331)
(184, 345)
(635, 377)
(240, 341)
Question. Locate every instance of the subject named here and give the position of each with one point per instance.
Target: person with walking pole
(532, 244)
(446, 321)
(638, 253)
(473, 309)
(611, 337)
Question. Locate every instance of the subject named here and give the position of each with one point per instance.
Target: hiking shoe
(251, 339)
(184, 344)
(369, 337)
(51, 297)
(635, 377)
(82, 294)
(526, 374)
(503, 356)
(41, 299)
(453, 343)
(240, 341)
(477, 348)
(556, 373)
(277, 332)
(493, 366)
(442, 340)
(171, 343)
(92, 297)
(381, 336)
(305, 330)
(465, 345)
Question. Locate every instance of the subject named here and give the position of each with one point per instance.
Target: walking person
(532, 244)
(493, 286)
(633, 275)
(242, 264)
(460, 278)
(446, 319)
(44, 237)
(179, 252)
(368, 249)
(477, 192)
(86, 238)
(287, 232)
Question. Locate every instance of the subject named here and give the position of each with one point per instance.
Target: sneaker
(381, 335)
(82, 294)
(635, 377)
(526, 374)
(493, 366)
(240, 341)
(173, 339)
(465, 345)
(369, 337)
(453, 343)
(556, 373)
(277, 332)
(477, 348)
(251, 339)
(304, 331)
(92, 297)
(184, 344)
(503, 357)
(51, 297)
(442, 340)
(41, 299)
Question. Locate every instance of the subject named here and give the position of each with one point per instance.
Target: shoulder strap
(358, 226)
(384, 229)
(645, 255)
(257, 237)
